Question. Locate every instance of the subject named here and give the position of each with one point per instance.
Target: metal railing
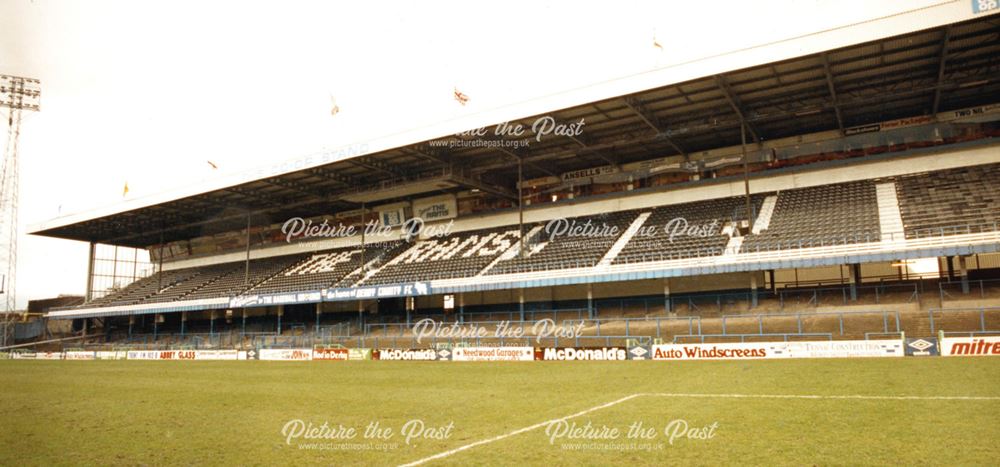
(490, 341)
(343, 329)
(503, 267)
(743, 337)
(981, 311)
(983, 227)
(889, 319)
(887, 316)
(472, 317)
(404, 327)
(894, 335)
(815, 296)
(693, 323)
(598, 331)
(983, 288)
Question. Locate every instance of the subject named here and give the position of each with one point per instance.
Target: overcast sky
(148, 92)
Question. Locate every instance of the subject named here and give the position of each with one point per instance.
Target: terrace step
(733, 247)
(764, 218)
(889, 218)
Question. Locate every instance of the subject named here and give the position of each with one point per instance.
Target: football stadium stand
(834, 194)
(835, 214)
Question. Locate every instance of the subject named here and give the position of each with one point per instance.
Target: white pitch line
(692, 395)
(821, 396)
(517, 432)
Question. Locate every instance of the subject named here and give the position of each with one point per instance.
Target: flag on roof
(334, 108)
(460, 97)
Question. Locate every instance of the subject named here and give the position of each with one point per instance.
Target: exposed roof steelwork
(939, 69)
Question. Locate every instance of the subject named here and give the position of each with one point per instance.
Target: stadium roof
(676, 111)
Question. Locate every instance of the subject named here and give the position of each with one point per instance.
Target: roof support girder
(942, 62)
(833, 92)
(298, 187)
(734, 102)
(647, 117)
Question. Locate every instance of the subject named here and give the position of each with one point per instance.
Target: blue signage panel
(980, 6)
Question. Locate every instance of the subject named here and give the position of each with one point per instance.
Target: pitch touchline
(526, 429)
(820, 396)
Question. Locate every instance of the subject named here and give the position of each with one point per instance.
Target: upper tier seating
(838, 214)
(844, 213)
(240, 279)
(322, 270)
(950, 202)
(663, 236)
(387, 251)
(463, 254)
(205, 276)
(215, 281)
(547, 249)
(144, 288)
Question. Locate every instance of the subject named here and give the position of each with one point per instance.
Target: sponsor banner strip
(411, 354)
(359, 354)
(493, 354)
(794, 349)
(970, 346)
(573, 353)
(79, 355)
(330, 353)
(286, 354)
(719, 351)
(921, 347)
(177, 354)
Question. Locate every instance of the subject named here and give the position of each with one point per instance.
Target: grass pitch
(234, 413)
